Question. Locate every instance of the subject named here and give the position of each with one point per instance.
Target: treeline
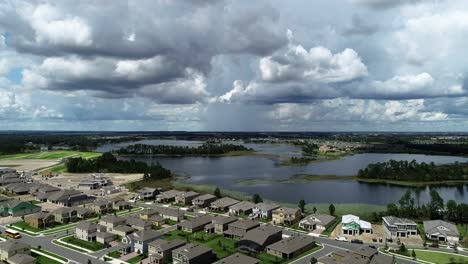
(309, 149)
(109, 163)
(205, 149)
(414, 171)
(409, 207)
(413, 148)
(300, 160)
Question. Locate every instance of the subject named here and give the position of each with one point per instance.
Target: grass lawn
(171, 222)
(68, 246)
(463, 230)
(94, 246)
(25, 226)
(440, 258)
(51, 254)
(51, 155)
(221, 246)
(268, 259)
(137, 259)
(58, 169)
(115, 254)
(43, 259)
(330, 229)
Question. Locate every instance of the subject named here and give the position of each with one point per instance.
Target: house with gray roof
(317, 221)
(237, 229)
(363, 255)
(242, 208)
(65, 215)
(22, 259)
(138, 224)
(399, 227)
(139, 240)
(204, 200)
(111, 221)
(105, 237)
(264, 210)
(223, 204)
(147, 193)
(192, 254)
(195, 224)
(10, 248)
(238, 258)
(186, 198)
(86, 231)
(260, 237)
(160, 251)
(441, 231)
(122, 230)
(291, 247)
(82, 212)
(220, 224)
(167, 196)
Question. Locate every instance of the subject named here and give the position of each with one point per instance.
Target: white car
(343, 239)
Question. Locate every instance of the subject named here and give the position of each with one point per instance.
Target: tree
(402, 248)
(313, 260)
(436, 205)
(314, 210)
(302, 205)
(89, 261)
(217, 193)
(256, 198)
(452, 214)
(331, 209)
(392, 209)
(413, 254)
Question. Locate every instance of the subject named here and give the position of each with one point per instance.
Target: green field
(50, 155)
(25, 226)
(440, 258)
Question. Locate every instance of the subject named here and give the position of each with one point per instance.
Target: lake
(225, 172)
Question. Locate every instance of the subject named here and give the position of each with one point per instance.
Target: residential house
(83, 213)
(317, 221)
(15, 207)
(238, 258)
(220, 224)
(139, 224)
(264, 210)
(139, 241)
(70, 198)
(20, 188)
(40, 220)
(399, 227)
(147, 193)
(286, 216)
(160, 251)
(192, 254)
(237, 229)
(108, 190)
(353, 225)
(65, 215)
(291, 247)
(111, 221)
(10, 248)
(260, 237)
(157, 220)
(120, 204)
(167, 196)
(242, 208)
(94, 183)
(145, 214)
(173, 214)
(363, 255)
(122, 230)
(223, 204)
(186, 198)
(101, 207)
(441, 231)
(105, 237)
(204, 200)
(196, 224)
(22, 259)
(86, 231)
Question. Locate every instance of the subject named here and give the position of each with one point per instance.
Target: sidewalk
(48, 256)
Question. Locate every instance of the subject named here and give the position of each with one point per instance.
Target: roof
(156, 218)
(145, 235)
(222, 220)
(244, 224)
(137, 222)
(322, 219)
(441, 228)
(244, 206)
(192, 250)
(238, 259)
(168, 194)
(348, 219)
(164, 245)
(147, 189)
(292, 244)
(169, 211)
(112, 219)
(101, 202)
(38, 215)
(63, 210)
(260, 234)
(266, 206)
(62, 195)
(392, 220)
(224, 202)
(104, 235)
(365, 225)
(187, 194)
(82, 210)
(21, 259)
(205, 197)
(197, 221)
(12, 245)
(287, 210)
(353, 257)
(124, 228)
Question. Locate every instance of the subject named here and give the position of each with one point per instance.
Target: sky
(239, 65)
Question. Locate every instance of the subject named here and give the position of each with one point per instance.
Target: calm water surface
(225, 172)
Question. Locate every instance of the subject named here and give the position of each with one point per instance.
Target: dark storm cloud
(384, 4)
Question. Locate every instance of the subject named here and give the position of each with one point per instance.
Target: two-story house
(399, 227)
(286, 216)
(160, 251)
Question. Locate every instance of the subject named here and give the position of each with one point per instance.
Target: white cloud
(53, 27)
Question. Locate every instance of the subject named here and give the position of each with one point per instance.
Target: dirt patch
(378, 233)
(28, 164)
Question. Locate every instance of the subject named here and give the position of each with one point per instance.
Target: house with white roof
(353, 225)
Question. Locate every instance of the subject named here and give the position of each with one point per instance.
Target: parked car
(451, 245)
(357, 241)
(434, 245)
(342, 239)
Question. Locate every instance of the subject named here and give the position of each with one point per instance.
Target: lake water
(225, 172)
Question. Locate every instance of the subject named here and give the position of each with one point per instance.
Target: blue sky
(296, 65)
